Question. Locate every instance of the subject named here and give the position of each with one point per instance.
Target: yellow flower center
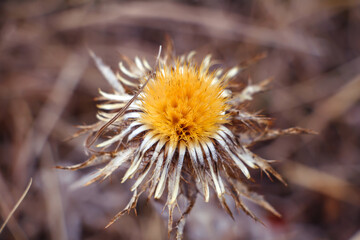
(183, 103)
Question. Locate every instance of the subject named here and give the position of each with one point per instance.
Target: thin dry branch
(321, 182)
(336, 105)
(16, 205)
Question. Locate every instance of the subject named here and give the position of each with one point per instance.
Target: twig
(321, 182)
(90, 141)
(16, 205)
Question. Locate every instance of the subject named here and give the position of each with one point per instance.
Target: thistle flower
(181, 128)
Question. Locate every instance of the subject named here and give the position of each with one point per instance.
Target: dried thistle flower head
(185, 131)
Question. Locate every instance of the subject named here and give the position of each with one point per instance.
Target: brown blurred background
(48, 83)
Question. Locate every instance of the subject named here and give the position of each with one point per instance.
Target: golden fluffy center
(182, 103)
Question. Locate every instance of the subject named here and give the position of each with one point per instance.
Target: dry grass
(47, 84)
